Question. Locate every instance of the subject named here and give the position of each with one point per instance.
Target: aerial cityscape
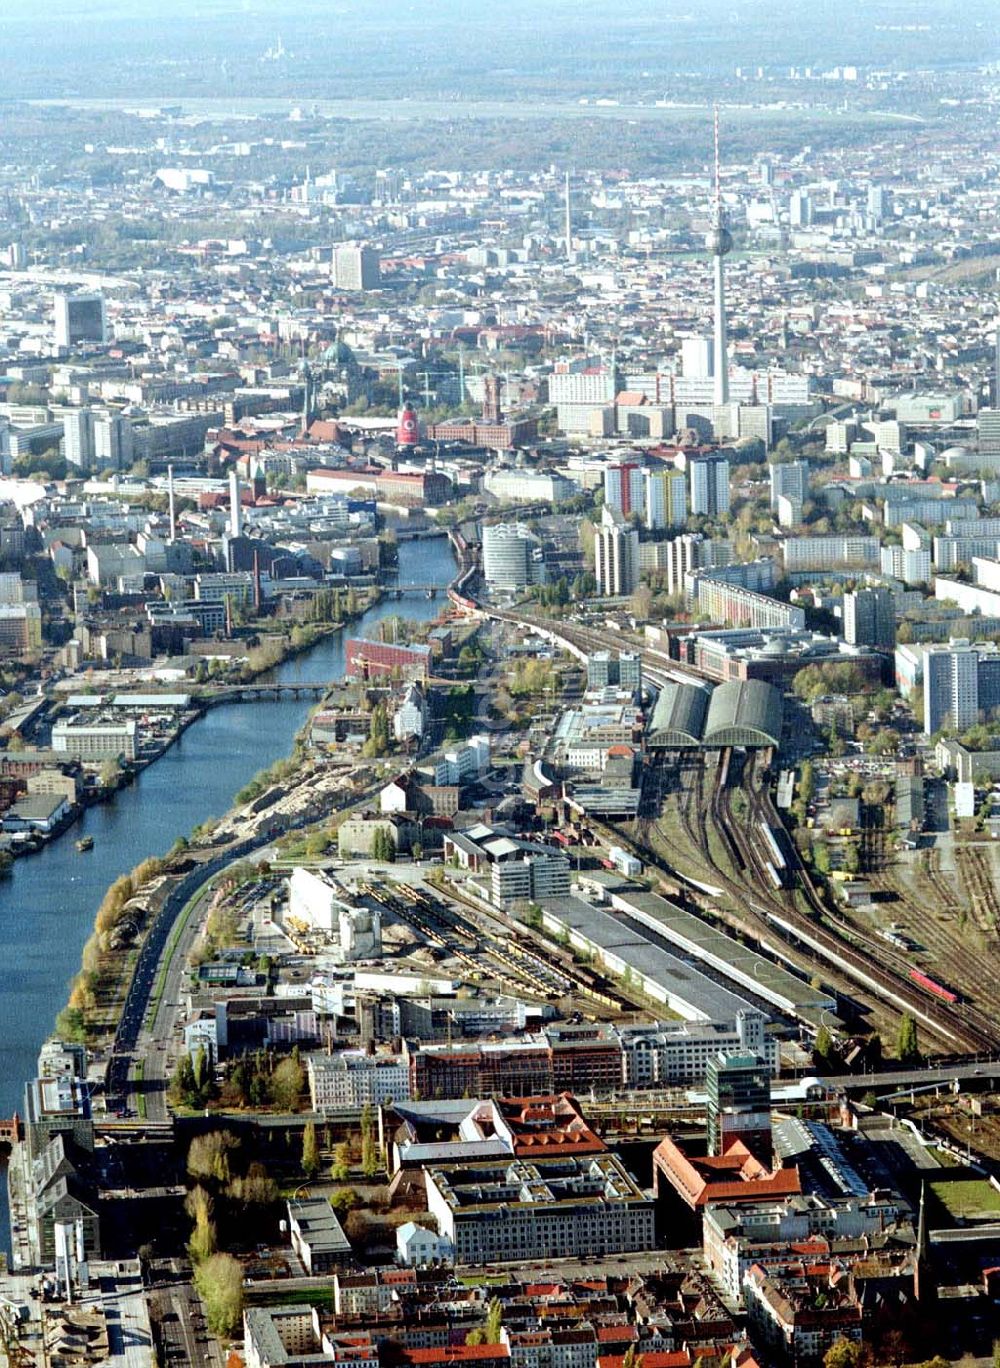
(500, 684)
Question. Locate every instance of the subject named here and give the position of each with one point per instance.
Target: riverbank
(47, 906)
(288, 649)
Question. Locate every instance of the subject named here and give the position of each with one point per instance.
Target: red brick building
(369, 659)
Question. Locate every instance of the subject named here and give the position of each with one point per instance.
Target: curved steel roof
(744, 712)
(679, 716)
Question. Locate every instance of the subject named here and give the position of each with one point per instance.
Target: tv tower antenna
(719, 243)
(718, 173)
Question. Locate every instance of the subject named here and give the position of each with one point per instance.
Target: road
(157, 1034)
(176, 1306)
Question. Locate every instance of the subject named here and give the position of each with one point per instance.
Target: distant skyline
(434, 47)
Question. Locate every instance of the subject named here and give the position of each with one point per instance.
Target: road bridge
(255, 693)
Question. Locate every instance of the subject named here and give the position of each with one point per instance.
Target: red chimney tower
(407, 429)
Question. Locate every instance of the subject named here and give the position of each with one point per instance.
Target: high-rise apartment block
(112, 441)
(616, 556)
(78, 437)
(356, 267)
(665, 501)
(961, 684)
(623, 487)
(709, 484)
(870, 618)
(789, 479)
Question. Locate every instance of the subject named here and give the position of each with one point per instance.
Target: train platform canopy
(744, 712)
(722, 953)
(679, 716)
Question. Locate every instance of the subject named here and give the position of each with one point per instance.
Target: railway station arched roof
(743, 712)
(679, 716)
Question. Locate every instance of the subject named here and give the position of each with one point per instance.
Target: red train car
(932, 987)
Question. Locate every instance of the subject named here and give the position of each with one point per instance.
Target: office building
(529, 878)
(20, 628)
(671, 1053)
(988, 425)
(57, 1105)
(616, 556)
(739, 1104)
(800, 210)
(870, 618)
(708, 477)
(789, 479)
(664, 498)
(512, 557)
(356, 268)
(353, 1078)
(623, 671)
(78, 318)
(575, 1207)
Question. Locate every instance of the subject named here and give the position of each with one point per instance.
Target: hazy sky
(335, 46)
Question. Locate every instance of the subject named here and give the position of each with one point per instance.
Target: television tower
(720, 243)
(569, 223)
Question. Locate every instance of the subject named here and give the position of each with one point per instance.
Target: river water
(47, 907)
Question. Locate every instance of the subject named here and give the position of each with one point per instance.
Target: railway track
(943, 888)
(974, 866)
(945, 952)
(863, 959)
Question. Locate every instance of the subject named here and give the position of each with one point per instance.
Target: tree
(907, 1047)
(344, 1201)
(310, 1151)
(340, 1169)
(287, 1083)
(202, 1244)
(219, 1281)
(369, 1155)
(494, 1320)
(823, 1049)
(807, 782)
(843, 1353)
(208, 1156)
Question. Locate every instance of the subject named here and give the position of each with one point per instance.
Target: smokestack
(170, 502)
(235, 508)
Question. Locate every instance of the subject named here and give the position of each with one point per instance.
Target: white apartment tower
(616, 556)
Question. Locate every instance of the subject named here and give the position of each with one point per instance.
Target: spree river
(47, 906)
